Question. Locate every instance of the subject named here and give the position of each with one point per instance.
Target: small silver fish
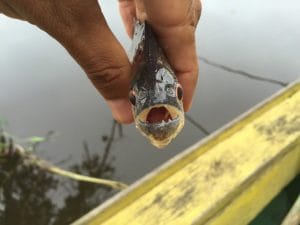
(155, 95)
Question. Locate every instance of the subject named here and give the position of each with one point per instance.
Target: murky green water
(43, 89)
(277, 209)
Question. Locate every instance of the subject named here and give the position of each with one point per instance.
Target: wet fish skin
(154, 85)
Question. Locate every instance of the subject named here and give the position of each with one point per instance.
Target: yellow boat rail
(228, 178)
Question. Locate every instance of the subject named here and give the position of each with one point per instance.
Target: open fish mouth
(159, 115)
(160, 124)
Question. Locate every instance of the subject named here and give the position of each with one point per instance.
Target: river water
(42, 89)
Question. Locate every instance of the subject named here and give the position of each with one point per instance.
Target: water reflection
(25, 194)
(26, 191)
(34, 95)
(84, 196)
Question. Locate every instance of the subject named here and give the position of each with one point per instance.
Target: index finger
(174, 22)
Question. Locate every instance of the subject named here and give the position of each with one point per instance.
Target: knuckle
(108, 80)
(105, 77)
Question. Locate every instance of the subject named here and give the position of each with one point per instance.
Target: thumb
(107, 66)
(89, 40)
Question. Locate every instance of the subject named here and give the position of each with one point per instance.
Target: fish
(155, 93)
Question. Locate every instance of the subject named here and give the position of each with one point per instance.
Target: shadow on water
(26, 191)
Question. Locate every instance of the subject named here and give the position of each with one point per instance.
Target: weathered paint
(226, 179)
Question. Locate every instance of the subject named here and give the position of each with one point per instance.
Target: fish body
(155, 94)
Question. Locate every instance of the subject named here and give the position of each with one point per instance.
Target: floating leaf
(36, 139)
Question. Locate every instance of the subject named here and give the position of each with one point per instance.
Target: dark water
(42, 89)
(278, 208)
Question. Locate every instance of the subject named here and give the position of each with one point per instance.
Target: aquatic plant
(9, 148)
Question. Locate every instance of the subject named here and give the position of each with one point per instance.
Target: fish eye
(179, 92)
(132, 98)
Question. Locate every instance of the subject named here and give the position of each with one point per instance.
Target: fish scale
(154, 86)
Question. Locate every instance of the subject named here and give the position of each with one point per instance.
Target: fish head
(156, 98)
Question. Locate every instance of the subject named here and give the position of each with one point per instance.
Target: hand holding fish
(81, 28)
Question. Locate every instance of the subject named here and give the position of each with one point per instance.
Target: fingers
(174, 22)
(131, 10)
(178, 43)
(104, 60)
(81, 28)
(179, 46)
(128, 13)
(172, 12)
(121, 110)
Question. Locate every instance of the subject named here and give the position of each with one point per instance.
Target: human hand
(81, 28)
(174, 23)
